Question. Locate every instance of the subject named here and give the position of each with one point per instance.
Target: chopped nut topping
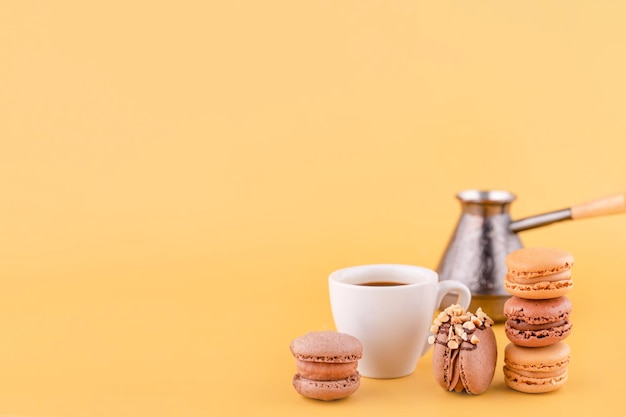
(452, 344)
(456, 310)
(460, 326)
(443, 317)
(469, 325)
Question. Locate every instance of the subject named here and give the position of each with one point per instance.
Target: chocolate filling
(453, 375)
(522, 325)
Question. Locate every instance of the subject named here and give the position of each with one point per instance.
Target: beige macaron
(536, 370)
(538, 273)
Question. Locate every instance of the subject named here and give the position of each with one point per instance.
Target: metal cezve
(485, 235)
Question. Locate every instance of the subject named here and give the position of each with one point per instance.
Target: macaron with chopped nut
(465, 351)
(327, 365)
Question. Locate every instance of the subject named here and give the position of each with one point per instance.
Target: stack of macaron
(537, 319)
(327, 365)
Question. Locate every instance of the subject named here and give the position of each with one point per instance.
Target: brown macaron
(537, 323)
(465, 351)
(327, 365)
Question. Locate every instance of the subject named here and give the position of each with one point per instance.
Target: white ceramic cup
(392, 322)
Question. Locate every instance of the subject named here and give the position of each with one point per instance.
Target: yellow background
(179, 179)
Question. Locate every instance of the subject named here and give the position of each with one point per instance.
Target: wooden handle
(609, 205)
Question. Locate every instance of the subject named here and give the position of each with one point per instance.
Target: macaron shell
(327, 346)
(537, 261)
(531, 385)
(322, 371)
(477, 366)
(544, 359)
(538, 311)
(442, 363)
(326, 390)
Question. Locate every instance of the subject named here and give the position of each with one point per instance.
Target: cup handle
(464, 297)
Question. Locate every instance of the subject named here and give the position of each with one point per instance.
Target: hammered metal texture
(476, 253)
